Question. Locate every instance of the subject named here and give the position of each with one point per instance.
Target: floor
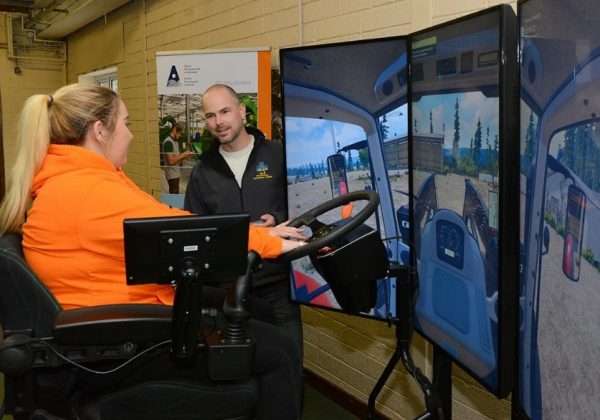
(318, 407)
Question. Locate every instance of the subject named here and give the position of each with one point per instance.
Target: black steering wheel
(324, 234)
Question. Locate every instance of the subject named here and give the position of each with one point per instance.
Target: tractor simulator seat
(38, 339)
(452, 303)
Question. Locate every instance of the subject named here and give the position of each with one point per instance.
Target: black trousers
(277, 365)
(281, 312)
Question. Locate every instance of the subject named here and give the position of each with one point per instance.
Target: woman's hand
(289, 245)
(284, 231)
(292, 237)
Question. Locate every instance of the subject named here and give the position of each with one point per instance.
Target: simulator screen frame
(439, 149)
(345, 129)
(462, 127)
(560, 210)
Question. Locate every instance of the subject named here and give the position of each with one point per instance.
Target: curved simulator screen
(559, 348)
(345, 129)
(463, 225)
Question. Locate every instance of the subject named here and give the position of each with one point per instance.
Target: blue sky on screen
(311, 140)
(472, 106)
(397, 121)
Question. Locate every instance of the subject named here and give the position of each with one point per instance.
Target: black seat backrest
(25, 303)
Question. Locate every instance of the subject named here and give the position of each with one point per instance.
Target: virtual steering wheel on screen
(324, 234)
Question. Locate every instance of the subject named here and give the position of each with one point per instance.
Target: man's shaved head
(225, 88)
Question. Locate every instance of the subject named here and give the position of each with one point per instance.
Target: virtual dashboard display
(458, 144)
(450, 241)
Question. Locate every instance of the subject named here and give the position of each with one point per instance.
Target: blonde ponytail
(33, 139)
(62, 118)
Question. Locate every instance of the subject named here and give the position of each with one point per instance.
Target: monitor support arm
(230, 353)
(437, 394)
(186, 313)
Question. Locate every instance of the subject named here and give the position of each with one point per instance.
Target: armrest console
(113, 324)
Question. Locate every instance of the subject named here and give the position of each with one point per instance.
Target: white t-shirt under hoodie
(238, 160)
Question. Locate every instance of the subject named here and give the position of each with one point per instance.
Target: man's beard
(234, 137)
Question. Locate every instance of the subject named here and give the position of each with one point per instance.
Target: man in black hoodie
(245, 173)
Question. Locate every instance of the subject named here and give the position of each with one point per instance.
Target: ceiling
(55, 19)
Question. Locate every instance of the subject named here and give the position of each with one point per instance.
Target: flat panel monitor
(345, 129)
(559, 349)
(463, 179)
(157, 249)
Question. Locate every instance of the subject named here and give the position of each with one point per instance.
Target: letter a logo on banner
(173, 77)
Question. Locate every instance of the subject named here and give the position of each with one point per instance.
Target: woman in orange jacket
(68, 178)
(68, 196)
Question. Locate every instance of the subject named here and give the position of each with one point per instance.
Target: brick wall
(34, 75)
(120, 40)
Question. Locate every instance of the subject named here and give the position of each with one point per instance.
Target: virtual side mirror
(573, 239)
(336, 166)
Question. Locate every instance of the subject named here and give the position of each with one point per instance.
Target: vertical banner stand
(437, 394)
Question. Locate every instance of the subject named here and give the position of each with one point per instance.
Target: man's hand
(267, 220)
(174, 158)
